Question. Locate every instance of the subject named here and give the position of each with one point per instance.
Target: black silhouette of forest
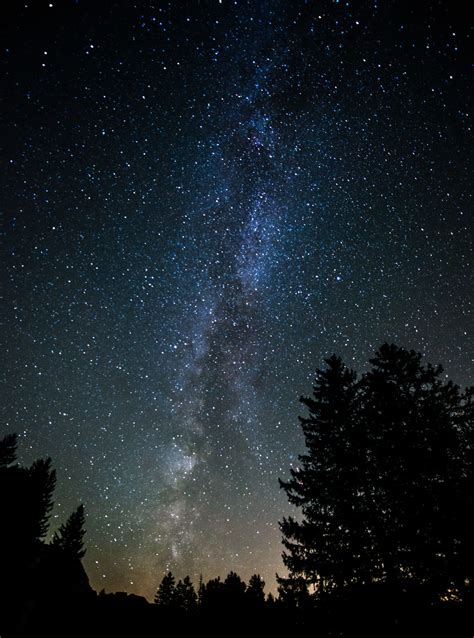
(380, 542)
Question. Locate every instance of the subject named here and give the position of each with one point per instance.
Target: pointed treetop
(70, 535)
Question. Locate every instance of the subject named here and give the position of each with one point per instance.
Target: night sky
(202, 200)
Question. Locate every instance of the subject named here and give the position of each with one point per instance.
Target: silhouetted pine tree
(322, 549)
(25, 505)
(413, 477)
(41, 480)
(69, 537)
(382, 488)
(25, 502)
(254, 593)
(200, 591)
(166, 593)
(186, 597)
(212, 594)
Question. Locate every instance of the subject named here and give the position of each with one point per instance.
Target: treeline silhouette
(38, 580)
(381, 545)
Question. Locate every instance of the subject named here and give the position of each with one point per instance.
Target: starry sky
(200, 201)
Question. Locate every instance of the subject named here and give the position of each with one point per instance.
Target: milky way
(201, 202)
